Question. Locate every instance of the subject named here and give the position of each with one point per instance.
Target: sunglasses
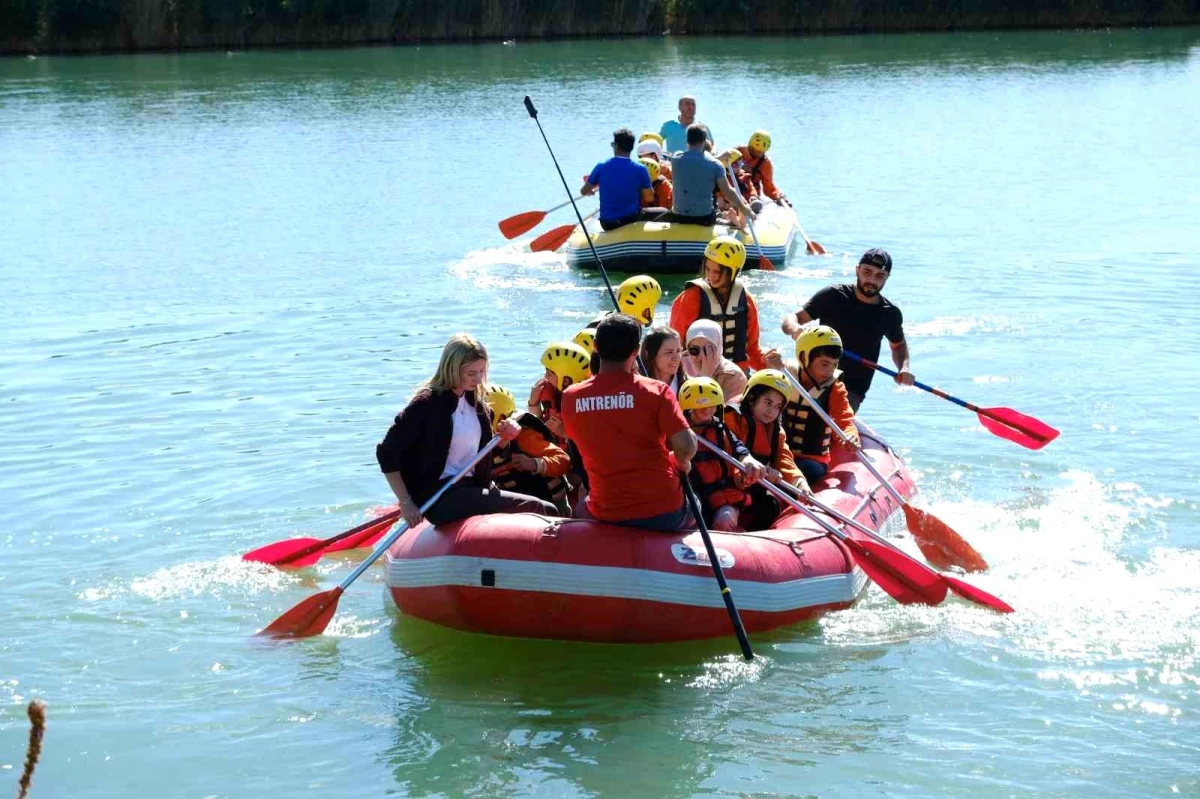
(693, 350)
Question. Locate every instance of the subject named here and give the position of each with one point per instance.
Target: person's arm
(680, 438)
(667, 198)
(793, 322)
(767, 173)
(811, 310)
(785, 463)
(647, 197)
(754, 353)
(683, 445)
(840, 411)
(730, 194)
(895, 337)
(685, 309)
(593, 181)
(549, 459)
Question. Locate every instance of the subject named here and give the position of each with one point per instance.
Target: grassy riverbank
(31, 26)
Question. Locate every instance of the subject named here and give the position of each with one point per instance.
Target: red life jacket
(761, 439)
(507, 477)
(712, 477)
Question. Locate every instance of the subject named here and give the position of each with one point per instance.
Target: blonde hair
(459, 351)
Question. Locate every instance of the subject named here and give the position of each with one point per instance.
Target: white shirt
(464, 441)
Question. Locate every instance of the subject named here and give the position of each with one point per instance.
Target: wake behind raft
(532, 576)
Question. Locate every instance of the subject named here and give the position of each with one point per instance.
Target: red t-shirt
(621, 423)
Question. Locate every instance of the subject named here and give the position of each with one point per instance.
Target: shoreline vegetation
(30, 27)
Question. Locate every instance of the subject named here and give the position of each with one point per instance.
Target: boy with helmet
(717, 294)
(717, 484)
(532, 463)
(756, 421)
(818, 350)
(663, 195)
(756, 174)
(566, 364)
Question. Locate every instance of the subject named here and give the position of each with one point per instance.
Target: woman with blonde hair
(445, 423)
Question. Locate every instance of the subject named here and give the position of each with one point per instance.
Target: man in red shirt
(626, 428)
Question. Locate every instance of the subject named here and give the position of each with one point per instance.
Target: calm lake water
(223, 273)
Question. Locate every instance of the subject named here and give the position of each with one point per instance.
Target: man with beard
(862, 317)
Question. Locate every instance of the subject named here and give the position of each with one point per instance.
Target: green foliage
(18, 20)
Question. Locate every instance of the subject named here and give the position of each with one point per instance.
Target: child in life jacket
(818, 350)
(664, 194)
(718, 485)
(756, 421)
(566, 364)
(532, 463)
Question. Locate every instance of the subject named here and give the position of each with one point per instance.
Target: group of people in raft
(679, 178)
(599, 439)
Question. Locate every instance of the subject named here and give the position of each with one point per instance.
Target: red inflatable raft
(539, 577)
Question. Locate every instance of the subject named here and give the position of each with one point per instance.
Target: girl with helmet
(662, 353)
(718, 486)
(566, 364)
(717, 294)
(664, 196)
(818, 350)
(756, 421)
(446, 422)
(532, 463)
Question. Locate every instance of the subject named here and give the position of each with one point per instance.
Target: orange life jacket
(713, 478)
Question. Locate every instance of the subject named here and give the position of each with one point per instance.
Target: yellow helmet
(700, 392)
(587, 339)
(651, 136)
(637, 297)
(813, 337)
(728, 252)
(570, 363)
(760, 140)
(502, 403)
(731, 156)
(773, 378)
(652, 167)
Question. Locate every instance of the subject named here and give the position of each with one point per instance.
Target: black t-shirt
(861, 325)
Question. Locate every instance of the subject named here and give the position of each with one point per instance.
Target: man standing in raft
(862, 317)
(674, 131)
(718, 295)
(627, 427)
(624, 185)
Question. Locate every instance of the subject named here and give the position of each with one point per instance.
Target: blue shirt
(674, 135)
(694, 176)
(621, 180)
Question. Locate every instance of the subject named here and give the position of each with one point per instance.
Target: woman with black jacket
(443, 426)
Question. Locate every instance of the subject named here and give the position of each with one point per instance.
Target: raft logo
(606, 402)
(699, 557)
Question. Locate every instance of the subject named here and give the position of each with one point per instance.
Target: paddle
(938, 542)
(311, 616)
(810, 246)
(518, 224)
(763, 261)
(299, 552)
(554, 238)
(960, 587)
(734, 617)
(1003, 422)
(906, 580)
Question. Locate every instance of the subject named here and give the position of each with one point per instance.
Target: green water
(223, 273)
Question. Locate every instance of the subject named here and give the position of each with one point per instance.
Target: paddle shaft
(845, 439)
(391, 537)
(319, 545)
(937, 392)
(749, 222)
(719, 572)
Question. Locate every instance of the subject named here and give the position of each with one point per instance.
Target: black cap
(877, 257)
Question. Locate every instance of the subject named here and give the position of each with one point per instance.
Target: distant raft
(670, 248)
(531, 576)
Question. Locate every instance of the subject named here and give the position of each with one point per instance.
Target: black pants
(763, 511)
(707, 220)
(462, 501)
(644, 215)
(855, 399)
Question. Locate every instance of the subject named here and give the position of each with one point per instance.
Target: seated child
(566, 363)
(531, 464)
(716, 482)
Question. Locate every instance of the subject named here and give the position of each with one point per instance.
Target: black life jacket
(733, 318)
(508, 478)
(807, 433)
(713, 478)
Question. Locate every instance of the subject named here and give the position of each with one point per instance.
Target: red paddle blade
(815, 248)
(1017, 427)
(906, 580)
(552, 239)
(279, 553)
(308, 618)
(976, 595)
(765, 264)
(940, 545)
(521, 223)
